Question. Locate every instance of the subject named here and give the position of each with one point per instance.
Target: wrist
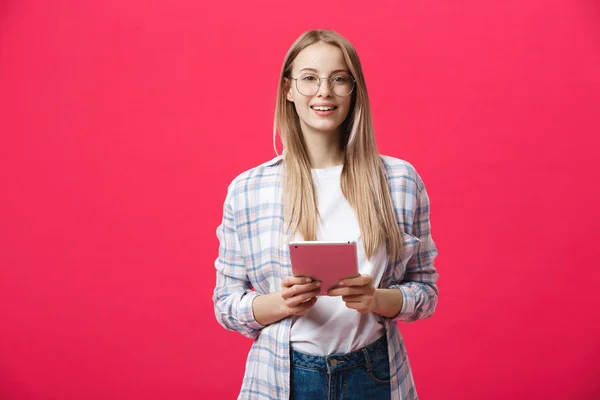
(269, 308)
(284, 310)
(387, 302)
(375, 304)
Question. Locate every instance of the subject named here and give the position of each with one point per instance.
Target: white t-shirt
(329, 327)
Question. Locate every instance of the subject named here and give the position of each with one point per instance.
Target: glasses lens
(308, 84)
(342, 85)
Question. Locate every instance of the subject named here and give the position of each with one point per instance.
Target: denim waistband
(334, 362)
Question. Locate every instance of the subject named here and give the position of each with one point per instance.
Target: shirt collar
(275, 161)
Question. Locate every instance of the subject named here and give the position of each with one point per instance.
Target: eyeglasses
(309, 84)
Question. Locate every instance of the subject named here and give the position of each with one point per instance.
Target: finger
(301, 298)
(353, 299)
(347, 291)
(296, 290)
(290, 281)
(301, 308)
(296, 300)
(358, 281)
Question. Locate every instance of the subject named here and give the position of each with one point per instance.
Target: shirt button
(333, 362)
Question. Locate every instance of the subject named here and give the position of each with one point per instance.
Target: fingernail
(341, 283)
(308, 280)
(318, 283)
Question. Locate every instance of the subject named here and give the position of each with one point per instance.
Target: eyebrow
(333, 72)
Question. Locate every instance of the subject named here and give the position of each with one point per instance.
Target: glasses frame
(329, 83)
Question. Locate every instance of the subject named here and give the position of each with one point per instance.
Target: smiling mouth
(323, 108)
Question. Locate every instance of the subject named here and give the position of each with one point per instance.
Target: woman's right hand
(299, 294)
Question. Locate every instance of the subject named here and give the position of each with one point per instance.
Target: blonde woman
(330, 183)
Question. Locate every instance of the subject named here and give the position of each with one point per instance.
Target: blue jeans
(361, 374)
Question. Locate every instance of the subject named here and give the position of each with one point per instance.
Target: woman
(329, 184)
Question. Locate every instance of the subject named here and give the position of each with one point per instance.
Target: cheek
(346, 110)
(301, 105)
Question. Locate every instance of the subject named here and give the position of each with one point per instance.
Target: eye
(308, 78)
(341, 79)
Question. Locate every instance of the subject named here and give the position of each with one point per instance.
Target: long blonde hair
(363, 179)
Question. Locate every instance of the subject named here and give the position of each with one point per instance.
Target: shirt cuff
(408, 303)
(246, 315)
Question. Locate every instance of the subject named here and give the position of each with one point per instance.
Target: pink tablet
(325, 261)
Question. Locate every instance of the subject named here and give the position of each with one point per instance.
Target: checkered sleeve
(418, 286)
(233, 294)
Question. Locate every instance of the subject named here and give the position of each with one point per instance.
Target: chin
(326, 130)
(330, 126)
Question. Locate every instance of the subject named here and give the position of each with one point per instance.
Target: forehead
(320, 56)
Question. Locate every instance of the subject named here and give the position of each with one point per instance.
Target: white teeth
(319, 108)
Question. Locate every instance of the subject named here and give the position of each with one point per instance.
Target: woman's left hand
(358, 293)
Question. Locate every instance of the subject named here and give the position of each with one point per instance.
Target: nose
(324, 88)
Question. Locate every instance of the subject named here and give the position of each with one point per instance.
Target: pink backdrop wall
(122, 123)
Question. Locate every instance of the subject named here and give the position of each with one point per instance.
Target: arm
(418, 287)
(269, 308)
(413, 298)
(237, 306)
(233, 295)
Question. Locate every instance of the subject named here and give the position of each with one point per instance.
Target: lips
(323, 107)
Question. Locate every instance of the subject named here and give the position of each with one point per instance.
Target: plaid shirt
(254, 258)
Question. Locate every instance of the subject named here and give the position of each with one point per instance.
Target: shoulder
(401, 172)
(263, 176)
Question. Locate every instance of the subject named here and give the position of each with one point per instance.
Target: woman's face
(323, 111)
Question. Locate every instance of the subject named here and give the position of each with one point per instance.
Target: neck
(323, 149)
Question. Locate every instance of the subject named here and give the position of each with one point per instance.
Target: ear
(287, 86)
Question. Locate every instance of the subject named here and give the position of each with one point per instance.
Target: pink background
(123, 121)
